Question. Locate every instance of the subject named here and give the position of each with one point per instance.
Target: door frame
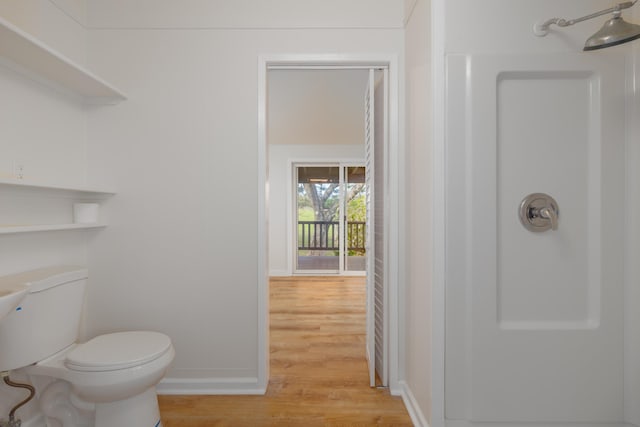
(396, 163)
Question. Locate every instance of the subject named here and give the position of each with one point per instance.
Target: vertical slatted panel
(380, 299)
(370, 250)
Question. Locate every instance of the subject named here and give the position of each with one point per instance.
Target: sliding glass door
(355, 217)
(330, 218)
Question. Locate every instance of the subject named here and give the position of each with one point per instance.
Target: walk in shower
(541, 323)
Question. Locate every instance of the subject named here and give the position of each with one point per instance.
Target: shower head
(614, 32)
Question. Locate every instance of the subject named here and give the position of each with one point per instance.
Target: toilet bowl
(110, 370)
(115, 374)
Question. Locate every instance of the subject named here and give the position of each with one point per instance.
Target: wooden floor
(319, 374)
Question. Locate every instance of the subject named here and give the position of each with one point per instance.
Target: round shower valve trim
(539, 212)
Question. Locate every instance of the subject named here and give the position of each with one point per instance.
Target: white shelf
(47, 227)
(96, 192)
(34, 56)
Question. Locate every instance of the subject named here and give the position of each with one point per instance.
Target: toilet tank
(47, 320)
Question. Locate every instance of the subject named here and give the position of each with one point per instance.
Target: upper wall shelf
(94, 192)
(8, 229)
(34, 56)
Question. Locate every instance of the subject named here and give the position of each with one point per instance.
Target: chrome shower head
(614, 32)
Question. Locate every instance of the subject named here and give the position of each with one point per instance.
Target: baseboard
(459, 423)
(279, 273)
(417, 417)
(242, 385)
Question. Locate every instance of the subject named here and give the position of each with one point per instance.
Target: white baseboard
(459, 423)
(417, 417)
(241, 385)
(279, 273)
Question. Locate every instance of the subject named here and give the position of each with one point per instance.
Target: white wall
(75, 9)
(632, 289)
(45, 131)
(632, 268)
(180, 255)
(52, 22)
(506, 25)
(316, 106)
(280, 194)
(419, 212)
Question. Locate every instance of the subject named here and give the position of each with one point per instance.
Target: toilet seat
(120, 350)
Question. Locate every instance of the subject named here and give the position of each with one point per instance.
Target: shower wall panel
(534, 327)
(551, 280)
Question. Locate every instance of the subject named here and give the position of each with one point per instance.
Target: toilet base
(141, 411)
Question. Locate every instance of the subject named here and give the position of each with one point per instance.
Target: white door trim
(396, 182)
(439, 117)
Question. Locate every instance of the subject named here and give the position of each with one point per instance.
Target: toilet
(107, 381)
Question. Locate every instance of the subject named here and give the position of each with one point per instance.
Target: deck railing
(325, 235)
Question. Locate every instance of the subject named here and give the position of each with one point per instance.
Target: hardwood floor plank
(319, 374)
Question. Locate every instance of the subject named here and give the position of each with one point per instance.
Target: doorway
(391, 181)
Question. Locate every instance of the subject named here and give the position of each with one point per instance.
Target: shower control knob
(539, 212)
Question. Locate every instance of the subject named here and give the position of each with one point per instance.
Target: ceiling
(316, 106)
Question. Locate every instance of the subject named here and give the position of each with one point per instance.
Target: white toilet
(108, 381)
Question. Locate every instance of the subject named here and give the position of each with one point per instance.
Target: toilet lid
(119, 350)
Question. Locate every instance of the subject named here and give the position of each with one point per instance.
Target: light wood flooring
(319, 374)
